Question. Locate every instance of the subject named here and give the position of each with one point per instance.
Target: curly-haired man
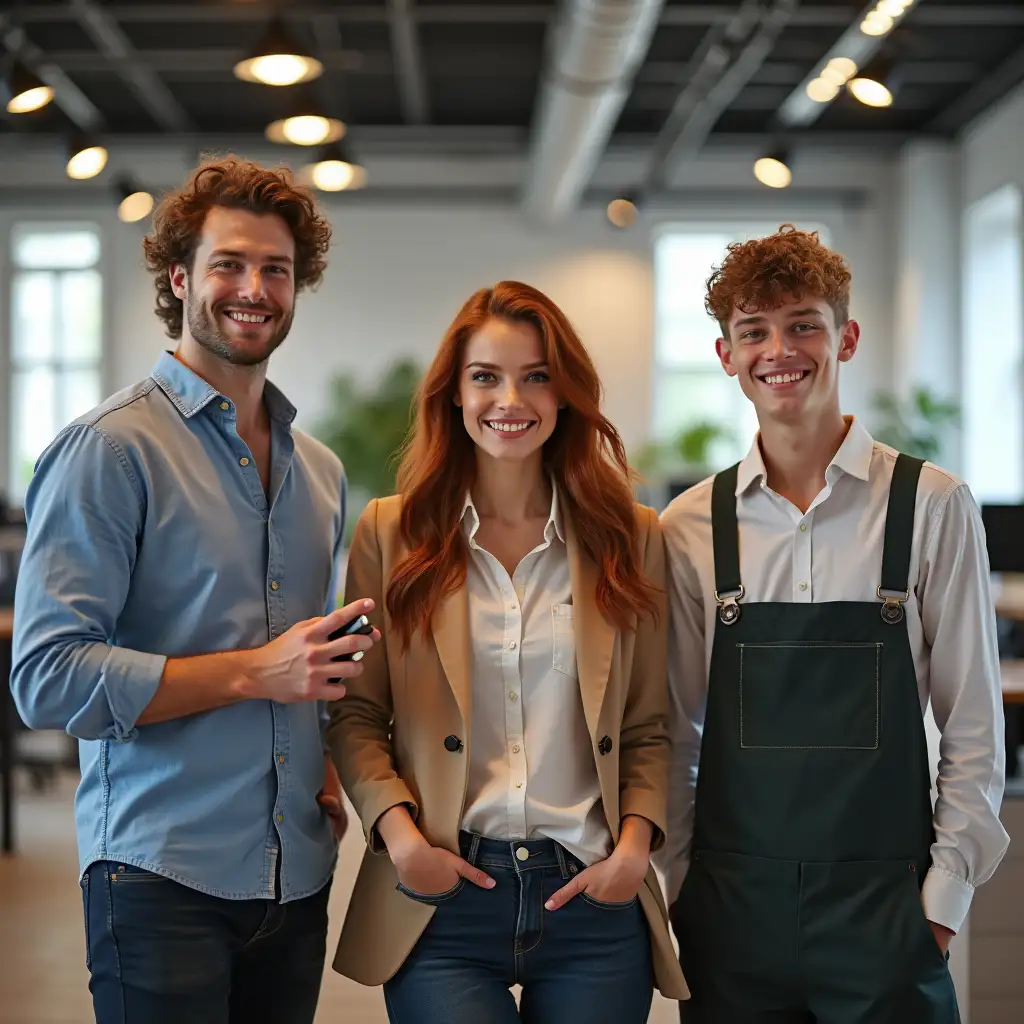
(173, 612)
(823, 590)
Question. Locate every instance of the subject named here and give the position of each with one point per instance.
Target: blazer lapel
(595, 635)
(450, 628)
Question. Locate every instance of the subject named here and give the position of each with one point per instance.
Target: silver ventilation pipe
(595, 50)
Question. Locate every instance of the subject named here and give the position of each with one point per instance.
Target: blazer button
(605, 745)
(452, 744)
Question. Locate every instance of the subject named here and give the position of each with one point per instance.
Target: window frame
(13, 223)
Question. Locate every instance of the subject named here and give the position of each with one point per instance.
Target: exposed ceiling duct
(595, 50)
(730, 59)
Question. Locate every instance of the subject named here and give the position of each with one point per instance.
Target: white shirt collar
(471, 518)
(853, 457)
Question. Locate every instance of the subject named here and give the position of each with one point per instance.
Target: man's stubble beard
(204, 330)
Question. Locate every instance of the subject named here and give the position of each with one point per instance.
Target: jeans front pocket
(602, 905)
(432, 899)
(810, 695)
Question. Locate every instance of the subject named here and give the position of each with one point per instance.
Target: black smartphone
(360, 624)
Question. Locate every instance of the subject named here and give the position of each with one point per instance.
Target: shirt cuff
(128, 681)
(946, 898)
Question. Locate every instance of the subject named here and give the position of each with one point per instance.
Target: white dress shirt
(531, 762)
(833, 552)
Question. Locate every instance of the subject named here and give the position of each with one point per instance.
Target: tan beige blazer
(387, 736)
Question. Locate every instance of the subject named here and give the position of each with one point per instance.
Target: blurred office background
(605, 151)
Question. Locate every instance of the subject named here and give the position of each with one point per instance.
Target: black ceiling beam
(209, 60)
(145, 83)
(405, 45)
(978, 99)
(966, 15)
(208, 64)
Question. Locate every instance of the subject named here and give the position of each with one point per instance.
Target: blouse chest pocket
(563, 635)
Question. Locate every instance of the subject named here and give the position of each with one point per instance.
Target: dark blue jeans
(587, 963)
(162, 953)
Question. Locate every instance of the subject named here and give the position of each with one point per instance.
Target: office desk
(6, 734)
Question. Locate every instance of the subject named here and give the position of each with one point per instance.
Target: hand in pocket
(432, 870)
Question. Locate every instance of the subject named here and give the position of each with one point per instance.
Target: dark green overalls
(813, 818)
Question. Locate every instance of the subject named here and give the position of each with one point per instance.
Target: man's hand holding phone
(310, 660)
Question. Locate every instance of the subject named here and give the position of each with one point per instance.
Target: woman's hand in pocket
(422, 868)
(431, 870)
(617, 879)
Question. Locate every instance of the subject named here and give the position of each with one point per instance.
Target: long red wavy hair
(584, 454)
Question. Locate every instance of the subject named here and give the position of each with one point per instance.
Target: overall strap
(726, 542)
(899, 536)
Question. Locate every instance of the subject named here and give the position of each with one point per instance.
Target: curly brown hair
(762, 273)
(238, 184)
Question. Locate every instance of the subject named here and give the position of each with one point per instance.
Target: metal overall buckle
(728, 606)
(892, 607)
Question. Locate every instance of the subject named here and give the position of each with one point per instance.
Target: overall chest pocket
(810, 695)
(563, 640)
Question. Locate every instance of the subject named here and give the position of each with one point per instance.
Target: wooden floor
(43, 979)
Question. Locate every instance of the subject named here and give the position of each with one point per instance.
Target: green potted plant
(914, 425)
(365, 428)
(672, 466)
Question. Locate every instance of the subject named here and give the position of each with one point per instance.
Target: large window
(56, 338)
(691, 388)
(993, 351)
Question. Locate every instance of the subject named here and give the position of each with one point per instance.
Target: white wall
(399, 271)
(398, 275)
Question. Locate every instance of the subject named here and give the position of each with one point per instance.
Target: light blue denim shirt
(150, 536)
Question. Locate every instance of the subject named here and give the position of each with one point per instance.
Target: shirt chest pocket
(563, 640)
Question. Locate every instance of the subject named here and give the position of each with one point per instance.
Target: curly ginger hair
(766, 272)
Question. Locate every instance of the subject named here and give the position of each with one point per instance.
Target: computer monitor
(1004, 532)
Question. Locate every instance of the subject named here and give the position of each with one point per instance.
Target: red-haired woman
(507, 751)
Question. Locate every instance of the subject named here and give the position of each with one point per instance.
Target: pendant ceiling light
(305, 124)
(336, 170)
(278, 59)
(24, 91)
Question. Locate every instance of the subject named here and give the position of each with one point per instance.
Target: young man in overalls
(822, 591)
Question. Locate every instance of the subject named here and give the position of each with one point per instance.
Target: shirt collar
(471, 518)
(853, 457)
(190, 393)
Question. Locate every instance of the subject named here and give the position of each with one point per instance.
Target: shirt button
(512, 645)
(803, 527)
(280, 758)
(225, 406)
(519, 785)
(243, 461)
(280, 817)
(513, 695)
(515, 748)
(274, 585)
(802, 585)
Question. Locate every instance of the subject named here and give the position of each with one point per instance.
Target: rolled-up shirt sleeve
(958, 615)
(85, 509)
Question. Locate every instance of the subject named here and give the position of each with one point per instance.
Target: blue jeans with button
(587, 963)
(162, 953)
